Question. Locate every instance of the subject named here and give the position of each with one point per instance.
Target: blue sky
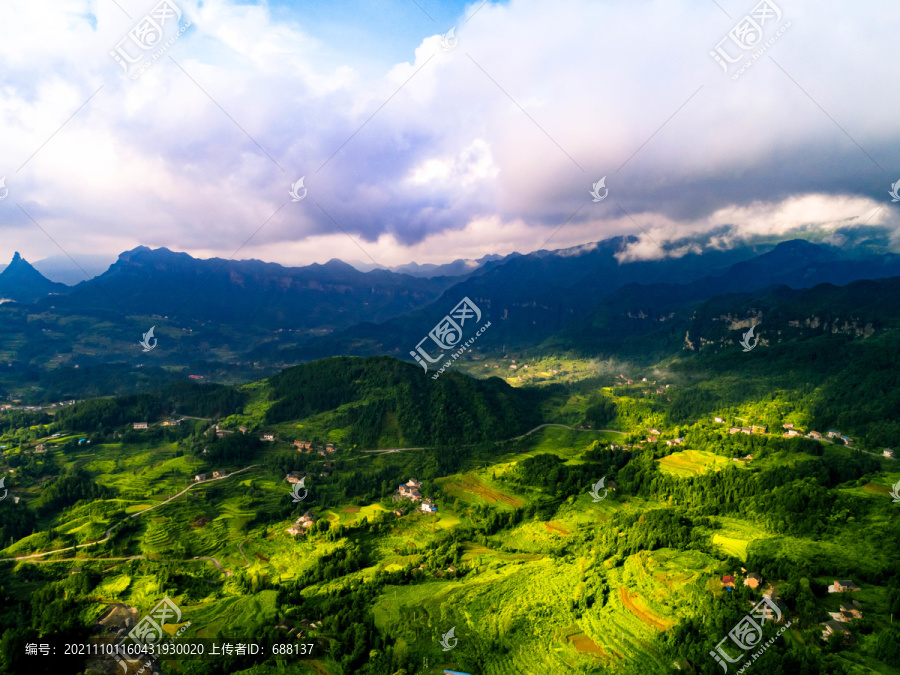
(374, 34)
(712, 123)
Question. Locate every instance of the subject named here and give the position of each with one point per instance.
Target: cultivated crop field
(692, 463)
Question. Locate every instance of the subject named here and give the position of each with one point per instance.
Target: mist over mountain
(456, 268)
(61, 269)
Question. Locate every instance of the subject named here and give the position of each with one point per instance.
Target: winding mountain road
(541, 426)
(516, 438)
(135, 515)
(241, 551)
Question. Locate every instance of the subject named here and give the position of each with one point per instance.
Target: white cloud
(487, 148)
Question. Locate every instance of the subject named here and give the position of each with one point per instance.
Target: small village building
(410, 490)
(728, 581)
(428, 506)
(243, 430)
(759, 429)
(303, 446)
(833, 434)
(139, 425)
(753, 580)
(832, 627)
(267, 437)
(789, 425)
(847, 439)
(652, 439)
(219, 474)
(853, 609)
(841, 585)
(329, 448)
(888, 453)
(294, 477)
(199, 477)
(40, 448)
(815, 434)
(790, 433)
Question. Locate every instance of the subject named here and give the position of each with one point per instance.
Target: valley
(517, 557)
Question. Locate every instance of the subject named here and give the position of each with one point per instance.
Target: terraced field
(468, 485)
(692, 463)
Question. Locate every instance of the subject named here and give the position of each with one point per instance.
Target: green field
(692, 463)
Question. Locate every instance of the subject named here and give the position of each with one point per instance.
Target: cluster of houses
(411, 490)
(166, 423)
(790, 432)
(753, 580)
(302, 523)
(815, 435)
(200, 477)
(849, 611)
(752, 429)
(307, 446)
(35, 408)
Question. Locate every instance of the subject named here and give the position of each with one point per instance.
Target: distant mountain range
(316, 298)
(457, 268)
(233, 319)
(584, 296)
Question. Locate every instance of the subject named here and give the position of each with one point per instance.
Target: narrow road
(241, 550)
(133, 515)
(541, 426)
(386, 450)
